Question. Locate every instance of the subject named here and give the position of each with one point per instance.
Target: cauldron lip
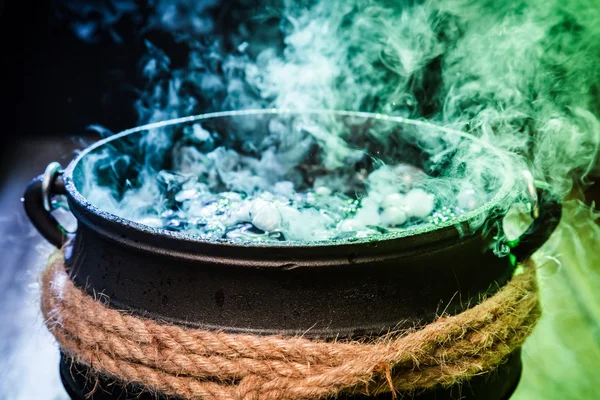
(458, 224)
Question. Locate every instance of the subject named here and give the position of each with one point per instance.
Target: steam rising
(520, 76)
(290, 187)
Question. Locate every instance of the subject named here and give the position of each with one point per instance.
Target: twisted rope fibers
(210, 365)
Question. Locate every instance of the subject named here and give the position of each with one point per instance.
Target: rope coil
(210, 365)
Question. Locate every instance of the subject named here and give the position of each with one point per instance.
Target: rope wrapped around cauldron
(200, 364)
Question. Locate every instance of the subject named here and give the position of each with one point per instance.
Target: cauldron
(355, 288)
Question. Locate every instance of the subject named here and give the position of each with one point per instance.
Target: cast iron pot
(330, 290)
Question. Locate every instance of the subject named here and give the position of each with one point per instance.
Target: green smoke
(562, 357)
(521, 74)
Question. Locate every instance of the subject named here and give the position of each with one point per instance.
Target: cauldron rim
(94, 216)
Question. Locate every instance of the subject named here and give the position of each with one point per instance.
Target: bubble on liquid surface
(394, 200)
(266, 217)
(393, 216)
(388, 202)
(419, 203)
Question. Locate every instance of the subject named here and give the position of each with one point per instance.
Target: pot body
(330, 291)
(351, 291)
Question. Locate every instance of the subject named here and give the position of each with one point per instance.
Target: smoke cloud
(520, 76)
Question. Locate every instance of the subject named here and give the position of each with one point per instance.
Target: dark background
(55, 83)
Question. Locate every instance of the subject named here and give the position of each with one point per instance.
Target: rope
(211, 365)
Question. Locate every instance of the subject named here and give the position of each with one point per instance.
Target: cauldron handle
(38, 205)
(546, 214)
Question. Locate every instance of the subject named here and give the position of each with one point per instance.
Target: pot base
(497, 385)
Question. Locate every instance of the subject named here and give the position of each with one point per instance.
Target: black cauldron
(330, 290)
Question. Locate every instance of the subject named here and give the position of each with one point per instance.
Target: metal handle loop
(546, 212)
(52, 171)
(37, 201)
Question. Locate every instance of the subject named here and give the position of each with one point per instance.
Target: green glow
(562, 357)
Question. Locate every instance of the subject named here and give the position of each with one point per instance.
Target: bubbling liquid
(393, 201)
(293, 177)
